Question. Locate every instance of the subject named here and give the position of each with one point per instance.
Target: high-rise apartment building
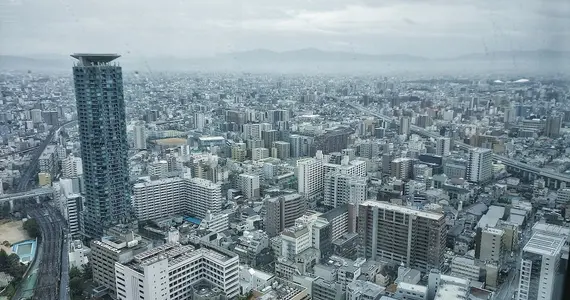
(369, 149)
(489, 245)
(281, 150)
(48, 160)
(343, 188)
(268, 137)
(480, 166)
(310, 177)
(71, 167)
(202, 196)
(259, 153)
(249, 185)
(239, 151)
(199, 121)
(402, 235)
(114, 247)
(176, 272)
(553, 125)
(176, 196)
(332, 141)
(140, 137)
(282, 211)
(405, 124)
(402, 168)
(539, 266)
(443, 146)
(103, 137)
(300, 145)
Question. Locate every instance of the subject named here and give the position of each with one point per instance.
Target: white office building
(173, 272)
(480, 166)
(539, 265)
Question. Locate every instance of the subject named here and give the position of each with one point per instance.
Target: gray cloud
(206, 27)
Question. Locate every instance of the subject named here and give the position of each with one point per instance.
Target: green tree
(32, 228)
(3, 260)
(15, 268)
(87, 272)
(76, 286)
(75, 272)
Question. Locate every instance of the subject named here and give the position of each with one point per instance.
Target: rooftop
(451, 291)
(544, 244)
(551, 229)
(94, 58)
(211, 138)
(177, 253)
(412, 287)
(402, 209)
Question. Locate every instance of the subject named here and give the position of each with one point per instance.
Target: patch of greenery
(32, 228)
(77, 279)
(10, 264)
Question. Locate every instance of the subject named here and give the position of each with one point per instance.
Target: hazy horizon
(427, 28)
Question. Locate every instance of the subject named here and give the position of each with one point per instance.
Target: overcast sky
(193, 28)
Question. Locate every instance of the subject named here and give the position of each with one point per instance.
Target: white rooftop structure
(544, 244)
(402, 209)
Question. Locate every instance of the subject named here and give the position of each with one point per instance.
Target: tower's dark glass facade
(103, 136)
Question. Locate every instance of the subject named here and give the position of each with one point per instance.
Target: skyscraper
(103, 136)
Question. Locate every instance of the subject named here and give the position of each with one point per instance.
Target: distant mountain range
(312, 59)
(312, 54)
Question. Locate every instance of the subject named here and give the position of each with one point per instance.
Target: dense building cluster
(186, 186)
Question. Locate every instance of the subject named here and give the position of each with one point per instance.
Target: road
(49, 272)
(31, 171)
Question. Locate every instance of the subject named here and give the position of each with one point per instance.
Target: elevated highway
(18, 152)
(36, 194)
(552, 179)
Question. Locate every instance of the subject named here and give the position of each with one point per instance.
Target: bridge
(552, 179)
(19, 152)
(36, 195)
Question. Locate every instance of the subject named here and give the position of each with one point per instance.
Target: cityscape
(313, 173)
